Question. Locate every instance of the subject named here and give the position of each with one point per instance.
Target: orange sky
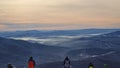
(59, 14)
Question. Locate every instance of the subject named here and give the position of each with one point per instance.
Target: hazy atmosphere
(58, 14)
(59, 33)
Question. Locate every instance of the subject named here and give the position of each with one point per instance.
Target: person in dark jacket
(9, 66)
(31, 63)
(67, 63)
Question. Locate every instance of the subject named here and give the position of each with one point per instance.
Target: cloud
(38, 26)
(26, 25)
(2, 27)
(59, 14)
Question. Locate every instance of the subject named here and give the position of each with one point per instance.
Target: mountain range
(18, 52)
(99, 49)
(41, 33)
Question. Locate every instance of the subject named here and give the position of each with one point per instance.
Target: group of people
(67, 64)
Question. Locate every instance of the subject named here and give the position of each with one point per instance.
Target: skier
(9, 66)
(31, 63)
(67, 63)
(90, 65)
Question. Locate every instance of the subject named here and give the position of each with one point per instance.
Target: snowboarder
(31, 63)
(9, 66)
(67, 63)
(91, 65)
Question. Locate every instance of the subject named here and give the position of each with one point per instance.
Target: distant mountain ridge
(39, 33)
(108, 40)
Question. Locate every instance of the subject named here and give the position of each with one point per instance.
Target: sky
(58, 14)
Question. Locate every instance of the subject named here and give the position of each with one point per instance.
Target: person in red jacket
(31, 63)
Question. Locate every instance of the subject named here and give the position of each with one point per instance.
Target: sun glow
(82, 13)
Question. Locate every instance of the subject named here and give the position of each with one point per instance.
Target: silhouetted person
(9, 66)
(31, 63)
(67, 62)
(105, 66)
(91, 65)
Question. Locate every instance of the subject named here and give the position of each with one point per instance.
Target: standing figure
(67, 63)
(9, 66)
(31, 63)
(105, 66)
(91, 65)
